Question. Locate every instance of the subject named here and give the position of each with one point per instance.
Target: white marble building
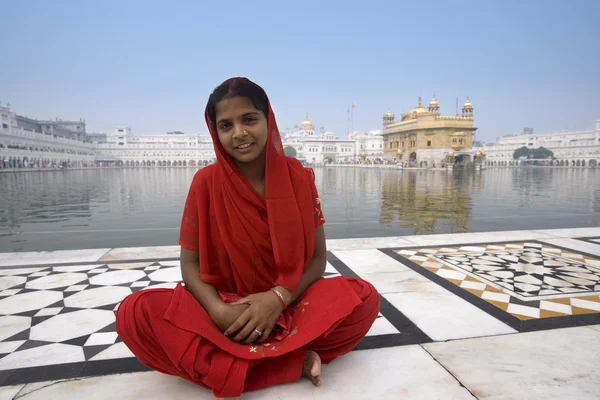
(171, 149)
(575, 147)
(325, 147)
(27, 143)
(30, 143)
(369, 145)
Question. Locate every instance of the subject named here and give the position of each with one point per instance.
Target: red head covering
(248, 244)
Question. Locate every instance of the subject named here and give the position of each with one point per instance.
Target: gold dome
(468, 105)
(418, 110)
(307, 123)
(388, 115)
(433, 103)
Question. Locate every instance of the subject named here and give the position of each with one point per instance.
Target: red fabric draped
(248, 244)
(168, 331)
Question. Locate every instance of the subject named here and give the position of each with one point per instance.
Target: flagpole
(352, 119)
(348, 122)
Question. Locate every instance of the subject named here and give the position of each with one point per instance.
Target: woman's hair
(238, 88)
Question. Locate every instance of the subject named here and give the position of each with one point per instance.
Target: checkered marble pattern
(65, 315)
(526, 280)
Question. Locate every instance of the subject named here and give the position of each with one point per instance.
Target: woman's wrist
(286, 295)
(278, 297)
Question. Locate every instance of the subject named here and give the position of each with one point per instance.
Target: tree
(521, 152)
(289, 151)
(538, 154)
(543, 153)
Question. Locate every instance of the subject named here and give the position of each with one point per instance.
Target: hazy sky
(152, 65)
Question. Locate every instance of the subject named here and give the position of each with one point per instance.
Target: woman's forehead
(233, 107)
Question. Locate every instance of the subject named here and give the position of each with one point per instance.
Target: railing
(41, 137)
(455, 118)
(38, 136)
(564, 133)
(149, 146)
(43, 154)
(552, 148)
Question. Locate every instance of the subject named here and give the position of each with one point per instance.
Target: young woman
(254, 310)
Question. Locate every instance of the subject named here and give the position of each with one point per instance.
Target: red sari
(248, 245)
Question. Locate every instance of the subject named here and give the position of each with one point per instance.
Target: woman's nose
(238, 130)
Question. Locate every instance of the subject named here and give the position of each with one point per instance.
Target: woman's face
(242, 129)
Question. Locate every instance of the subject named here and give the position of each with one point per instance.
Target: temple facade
(425, 137)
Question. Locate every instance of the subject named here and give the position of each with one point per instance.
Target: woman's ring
(259, 332)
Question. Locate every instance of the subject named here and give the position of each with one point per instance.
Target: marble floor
(461, 316)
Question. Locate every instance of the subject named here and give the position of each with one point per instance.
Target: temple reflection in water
(426, 203)
(415, 202)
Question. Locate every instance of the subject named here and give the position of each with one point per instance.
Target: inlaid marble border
(491, 309)
(593, 239)
(408, 334)
(99, 262)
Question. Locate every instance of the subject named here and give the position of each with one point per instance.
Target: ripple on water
(142, 207)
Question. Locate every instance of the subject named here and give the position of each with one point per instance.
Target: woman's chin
(245, 158)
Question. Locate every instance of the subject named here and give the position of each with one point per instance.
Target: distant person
(255, 310)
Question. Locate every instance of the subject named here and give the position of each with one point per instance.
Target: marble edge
(127, 253)
(457, 238)
(52, 257)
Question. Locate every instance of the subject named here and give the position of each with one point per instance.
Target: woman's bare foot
(312, 368)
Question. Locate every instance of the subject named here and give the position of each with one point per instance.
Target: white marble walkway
(442, 333)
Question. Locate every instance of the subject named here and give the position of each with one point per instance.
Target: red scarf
(247, 244)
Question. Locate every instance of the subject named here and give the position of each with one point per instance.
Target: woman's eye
(224, 125)
(249, 120)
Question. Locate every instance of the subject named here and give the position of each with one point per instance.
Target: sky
(151, 65)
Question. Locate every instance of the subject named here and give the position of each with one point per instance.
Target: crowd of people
(47, 149)
(368, 161)
(57, 157)
(24, 163)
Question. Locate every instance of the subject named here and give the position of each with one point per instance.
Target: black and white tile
(62, 317)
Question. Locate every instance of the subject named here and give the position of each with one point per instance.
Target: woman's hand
(261, 315)
(226, 314)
